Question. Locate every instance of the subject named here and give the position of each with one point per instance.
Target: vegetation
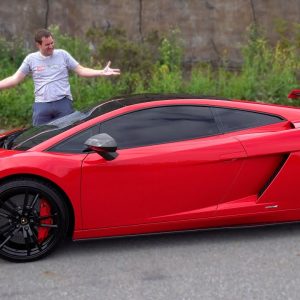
(155, 65)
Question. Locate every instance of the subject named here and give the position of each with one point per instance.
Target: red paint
(223, 180)
(44, 211)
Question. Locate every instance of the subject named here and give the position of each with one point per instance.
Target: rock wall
(208, 27)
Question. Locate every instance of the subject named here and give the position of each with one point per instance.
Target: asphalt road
(256, 263)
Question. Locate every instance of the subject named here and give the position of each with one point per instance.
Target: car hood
(9, 132)
(6, 153)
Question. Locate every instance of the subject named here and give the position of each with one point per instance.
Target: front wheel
(33, 219)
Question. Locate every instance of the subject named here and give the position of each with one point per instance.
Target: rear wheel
(33, 220)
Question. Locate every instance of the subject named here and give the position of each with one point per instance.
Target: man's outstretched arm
(87, 72)
(12, 81)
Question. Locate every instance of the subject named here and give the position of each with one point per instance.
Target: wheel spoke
(4, 215)
(47, 217)
(5, 241)
(27, 241)
(25, 202)
(7, 208)
(24, 233)
(3, 226)
(8, 230)
(9, 237)
(35, 240)
(34, 201)
(48, 225)
(11, 204)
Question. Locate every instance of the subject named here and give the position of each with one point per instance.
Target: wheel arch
(65, 198)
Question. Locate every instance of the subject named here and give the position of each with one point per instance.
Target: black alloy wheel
(33, 219)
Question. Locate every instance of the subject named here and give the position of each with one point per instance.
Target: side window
(234, 119)
(161, 125)
(75, 144)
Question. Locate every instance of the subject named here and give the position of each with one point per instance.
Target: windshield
(35, 135)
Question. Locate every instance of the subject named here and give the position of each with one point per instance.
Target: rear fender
(258, 144)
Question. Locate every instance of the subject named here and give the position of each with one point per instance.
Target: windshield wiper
(6, 141)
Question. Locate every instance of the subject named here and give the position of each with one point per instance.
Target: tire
(33, 219)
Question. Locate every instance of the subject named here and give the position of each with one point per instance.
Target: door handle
(233, 155)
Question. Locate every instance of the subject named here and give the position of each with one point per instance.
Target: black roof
(122, 101)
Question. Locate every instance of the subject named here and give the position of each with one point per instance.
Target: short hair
(40, 34)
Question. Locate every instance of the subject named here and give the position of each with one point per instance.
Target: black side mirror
(104, 145)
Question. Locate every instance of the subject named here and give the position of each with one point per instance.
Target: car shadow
(222, 237)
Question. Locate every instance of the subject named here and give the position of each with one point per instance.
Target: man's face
(47, 46)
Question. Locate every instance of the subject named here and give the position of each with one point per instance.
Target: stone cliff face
(208, 27)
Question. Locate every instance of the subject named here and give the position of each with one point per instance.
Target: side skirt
(215, 223)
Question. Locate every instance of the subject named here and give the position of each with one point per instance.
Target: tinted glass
(75, 144)
(36, 135)
(160, 125)
(234, 119)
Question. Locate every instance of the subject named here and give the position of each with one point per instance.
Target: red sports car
(148, 164)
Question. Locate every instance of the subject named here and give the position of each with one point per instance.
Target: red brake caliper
(45, 210)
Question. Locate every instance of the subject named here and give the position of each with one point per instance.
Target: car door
(172, 165)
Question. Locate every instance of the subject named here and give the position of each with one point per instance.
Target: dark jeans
(44, 112)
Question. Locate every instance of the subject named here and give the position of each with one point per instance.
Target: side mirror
(294, 94)
(104, 145)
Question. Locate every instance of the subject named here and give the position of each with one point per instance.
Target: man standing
(50, 72)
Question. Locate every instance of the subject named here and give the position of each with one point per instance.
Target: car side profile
(147, 164)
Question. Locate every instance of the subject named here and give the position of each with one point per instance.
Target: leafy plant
(155, 64)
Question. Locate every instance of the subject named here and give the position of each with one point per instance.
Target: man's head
(44, 41)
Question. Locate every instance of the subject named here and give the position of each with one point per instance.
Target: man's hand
(107, 71)
(88, 72)
(12, 81)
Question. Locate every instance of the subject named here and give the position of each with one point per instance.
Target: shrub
(155, 65)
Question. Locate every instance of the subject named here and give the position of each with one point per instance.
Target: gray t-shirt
(50, 74)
